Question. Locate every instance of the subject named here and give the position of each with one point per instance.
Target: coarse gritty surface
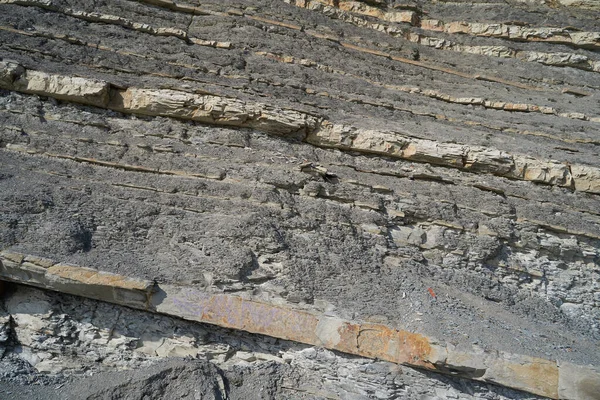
(512, 265)
(84, 349)
(265, 226)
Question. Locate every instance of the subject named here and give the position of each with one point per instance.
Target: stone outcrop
(370, 340)
(114, 337)
(222, 111)
(379, 186)
(170, 103)
(516, 32)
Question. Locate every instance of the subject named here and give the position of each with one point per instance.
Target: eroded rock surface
(432, 166)
(75, 345)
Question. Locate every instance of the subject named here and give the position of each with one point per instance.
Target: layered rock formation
(415, 183)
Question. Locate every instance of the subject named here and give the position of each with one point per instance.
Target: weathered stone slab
(236, 313)
(157, 102)
(211, 109)
(526, 373)
(534, 375)
(69, 88)
(233, 112)
(578, 382)
(531, 374)
(81, 281)
(586, 178)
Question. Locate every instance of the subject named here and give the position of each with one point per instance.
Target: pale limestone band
(213, 109)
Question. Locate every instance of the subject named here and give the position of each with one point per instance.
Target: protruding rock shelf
(548, 378)
(212, 109)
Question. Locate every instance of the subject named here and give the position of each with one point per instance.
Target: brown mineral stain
(92, 277)
(383, 342)
(539, 376)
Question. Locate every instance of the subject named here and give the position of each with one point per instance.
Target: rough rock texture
(536, 375)
(74, 346)
(429, 166)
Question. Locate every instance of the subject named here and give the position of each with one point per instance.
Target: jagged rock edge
(218, 110)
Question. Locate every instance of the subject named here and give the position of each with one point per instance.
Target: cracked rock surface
(64, 347)
(430, 166)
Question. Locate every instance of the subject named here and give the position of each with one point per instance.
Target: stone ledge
(539, 376)
(347, 10)
(470, 158)
(205, 108)
(72, 279)
(578, 382)
(218, 110)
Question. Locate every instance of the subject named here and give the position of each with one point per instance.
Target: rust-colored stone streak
(92, 277)
(236, 313)
(368, 340)
(383, 342)
(72, 279)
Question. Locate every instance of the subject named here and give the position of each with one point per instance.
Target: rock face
(411, 182)
(60, 338)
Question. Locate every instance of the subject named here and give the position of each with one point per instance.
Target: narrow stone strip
(65, 278)
(535, 375)
(346, 10)
(470, 158)
(210, 109)
(437, 95)
(558, 59)
(192, 10)
(216, 175)
(120, 21)
(218, 110)
(434, 94)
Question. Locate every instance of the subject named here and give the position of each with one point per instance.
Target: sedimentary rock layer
(534, 375)
(226, 111)
(429, 168)
(62, 336)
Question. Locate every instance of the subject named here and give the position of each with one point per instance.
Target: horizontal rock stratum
(320, 188)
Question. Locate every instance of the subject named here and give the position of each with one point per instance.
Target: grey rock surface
(84, 349)
(467, 255)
